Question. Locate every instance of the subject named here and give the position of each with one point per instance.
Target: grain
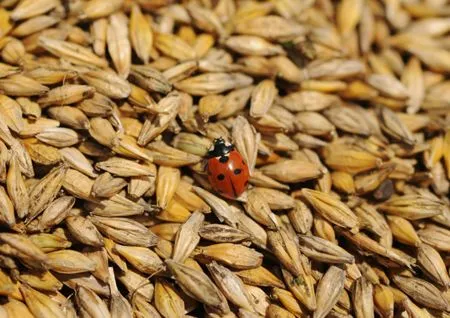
(328, 290)
(339, 109)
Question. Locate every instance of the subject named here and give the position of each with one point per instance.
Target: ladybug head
(220, 148)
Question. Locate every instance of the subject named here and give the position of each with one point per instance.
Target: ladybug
(227, 171)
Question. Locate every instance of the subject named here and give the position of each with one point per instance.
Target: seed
(432, 263)
(328, 290)
(231, 286)
(339, 109)
(362, 298)
(197, 285)
(331, 209)
(69, 262)
(422, 292)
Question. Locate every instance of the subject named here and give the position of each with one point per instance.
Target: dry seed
(143, 308)
(100, 257)
(362, 298)
(252, 45)
(48, 74)
(260, 276)
(136, 283)
(174, 212)
(118, 205)
(331, 209)
(213, 83)
(67, 94)
(284, 171)
(174, 47)
(222, 233)
(56, 212)
(84, 231)
(7, 207)
(413, 207)
(16, 189)
(328, 290)
(259, 209)
(35, 24)
(348, 119)
(167, 300)
(143, 259)
(15, 309)
(383, 299)
(84, 280)
(234, 255)
(166, 184)
(72, 52)
(98, 105)
(69, 262)
(107, 83)
(323, 250)
(33, 128)
(141, 33)
(301, 217)
(90, 303)
(309, 60)
(287, 251)
(50, 242)
(288, 300)
(77, 161)
(222, 210)
(231, 285)
(39, 304)
(388, 86)
(403, 230)
(302, 288)
(437, 237)
(58, 137)
(119, 305)
(277, 200)
(422, 292)
(150, 79)
(125, 231)
(169, 106)
(197, 285)
(124, 168)
(12, 113)
(313, 123)
(45, 191)
(431, 262)
(77, 184)
(187, 237)
(262, 98)
(22, 86)
(13, 52)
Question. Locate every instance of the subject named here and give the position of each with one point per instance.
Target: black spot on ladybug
(237, 171)
(223, 159)
(221, 177)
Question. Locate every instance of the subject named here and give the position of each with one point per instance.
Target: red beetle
(227, 171)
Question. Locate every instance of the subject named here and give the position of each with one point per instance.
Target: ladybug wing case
(228, 174)
(239, 173)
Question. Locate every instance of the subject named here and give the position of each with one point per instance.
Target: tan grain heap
(340, 109)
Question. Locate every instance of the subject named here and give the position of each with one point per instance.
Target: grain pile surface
(340, 109)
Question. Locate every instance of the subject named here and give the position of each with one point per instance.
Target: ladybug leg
(204, 165)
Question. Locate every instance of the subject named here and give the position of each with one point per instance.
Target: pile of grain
(341, 109)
